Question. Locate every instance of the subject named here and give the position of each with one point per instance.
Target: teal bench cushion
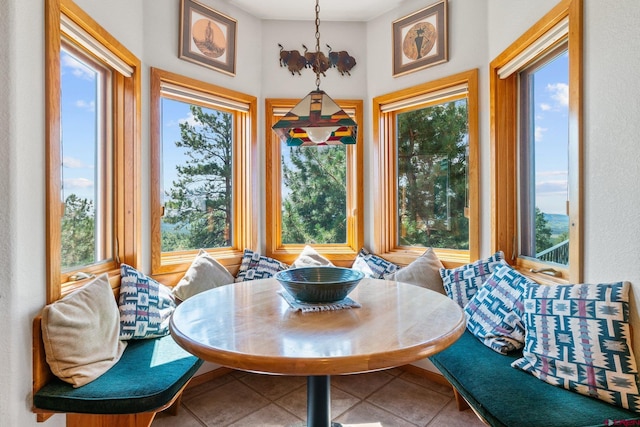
(147, 376)
(505, 396)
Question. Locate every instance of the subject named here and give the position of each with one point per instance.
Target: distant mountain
(558, 223)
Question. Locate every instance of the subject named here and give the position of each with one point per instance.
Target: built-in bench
(504, 396)
(149, 377)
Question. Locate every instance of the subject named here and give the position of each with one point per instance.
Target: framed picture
(420, 39)
(207, 37)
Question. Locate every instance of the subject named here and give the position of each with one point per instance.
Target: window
(202, 143)
(92, 150)
(426, 141)
(536, 144)
(314, 194)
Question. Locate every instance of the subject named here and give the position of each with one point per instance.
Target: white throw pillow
(423, 271)
(80, 333)
(309, 257)
(204, 273)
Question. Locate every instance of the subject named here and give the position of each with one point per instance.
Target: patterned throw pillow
(462, 283)
(145, 305)
(494, 314)
(578, 338)
(255, 266)
(372, 265)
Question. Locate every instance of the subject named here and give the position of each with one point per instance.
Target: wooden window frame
(168, 267)
(385, 170)
(126, 119)
(504, 145)
(339, 254)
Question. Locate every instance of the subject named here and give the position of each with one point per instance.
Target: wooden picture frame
(420, 39)
(207, 37)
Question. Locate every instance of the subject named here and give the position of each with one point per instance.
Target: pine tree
(77, 232)
(200, 200)
(314, 205)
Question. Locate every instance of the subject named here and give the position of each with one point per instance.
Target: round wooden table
(250, 327)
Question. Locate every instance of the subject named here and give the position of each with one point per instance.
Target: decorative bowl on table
(319, 284)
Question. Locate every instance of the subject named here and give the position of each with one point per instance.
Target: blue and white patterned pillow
(494, 313)
(255, 266)
(372, 265)
(578, 338)
(145, 305)
(461, 283)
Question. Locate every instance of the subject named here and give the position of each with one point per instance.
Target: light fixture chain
(317, 44)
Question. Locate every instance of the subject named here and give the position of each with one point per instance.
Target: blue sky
(79, 99)
(551, 95)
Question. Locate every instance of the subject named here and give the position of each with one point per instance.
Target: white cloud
(190, 120)
(77, 68)
(539, 133)
(77, 183)
(73, 163)
(545, 106)
(551, 187)
(559, 93)
(89, 106)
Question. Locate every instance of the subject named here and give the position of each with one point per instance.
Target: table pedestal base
(319, 401)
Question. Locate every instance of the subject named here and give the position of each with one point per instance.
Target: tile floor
(392, 398)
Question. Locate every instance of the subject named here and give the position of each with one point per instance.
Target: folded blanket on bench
(147, 376)
(505, 396)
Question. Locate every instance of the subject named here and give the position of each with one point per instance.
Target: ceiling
(330, 10)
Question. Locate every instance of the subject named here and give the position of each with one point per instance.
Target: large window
(93, 140)
(314, 194)
(427, 186)
(202, 144)
(536, 145)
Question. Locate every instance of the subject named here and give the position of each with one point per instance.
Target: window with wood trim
(536, 112)
(426, 174)
(314, 194)
(203, 173)
(93, 143)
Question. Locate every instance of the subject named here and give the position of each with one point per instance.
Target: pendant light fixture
(316, 119)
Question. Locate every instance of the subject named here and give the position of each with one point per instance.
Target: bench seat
(506, 396)
(148, 376)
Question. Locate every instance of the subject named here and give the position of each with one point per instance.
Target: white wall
(478, 32)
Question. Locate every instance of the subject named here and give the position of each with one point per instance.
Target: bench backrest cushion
(494, 314)
(204, 273)
(463, 282)
(145, 305)
(80, 333)
(578, 338)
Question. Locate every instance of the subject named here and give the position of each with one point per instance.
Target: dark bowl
(319, 284)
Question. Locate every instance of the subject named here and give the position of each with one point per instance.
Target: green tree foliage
(200, 200)
(77, 233)
(543, 232)
(314, 204)
(432, 176)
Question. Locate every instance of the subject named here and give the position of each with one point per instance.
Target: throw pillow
(255, 266)
(494, 314)
(461, 283)
(423, 271)
(372, 265)
(578, 338)
(80, 333)
(203, 274)
(309, 257)
(145, 305)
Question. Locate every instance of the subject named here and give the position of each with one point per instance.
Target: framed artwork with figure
(420, 39)
(207, 37)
